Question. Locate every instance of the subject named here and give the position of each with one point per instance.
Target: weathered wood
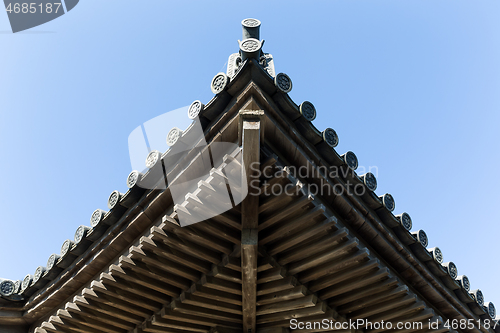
(185, 246)
(209, 303)
(218, 230)
(370, 296)
(164, 264)
(276, 286)
(319, 308)
(98, 316)
(300, 303)
(72, 326)
(113, 312)
(290, 294)
(316, 231)
(170, 225)
(40, 330)
(153, 272)
(79, 320)
(251, 133)
(287, 229)
(134, 288)
(48, 327)
(329, 315)
(114, 302)
(275, 202)
(344, 275)
(208, 313)
(226, 274)
(273, 330)
(139, 302)
(383, 307)
(353, 284)
(371, 284)
(334, 266)
(329, 255)
(295, 206)
(169, 253)
(313, 247)
(222, 296)
(396, 312)
(145, 281)
(232, 263)
(170, 314)
(271, 275)
(222, 285)
(167, 323)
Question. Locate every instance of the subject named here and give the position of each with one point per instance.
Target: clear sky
(411, 86)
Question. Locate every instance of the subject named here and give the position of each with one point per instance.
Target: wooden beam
(286, 295)
(251, 132)
(106, 309)
(169, 324)
(134, 288)
(222, 296)
(163, 250)
(145, 281)
(314, 247)
(373, 296)
(209, 303)
(170, 314)
(98, 316)
(338, 277)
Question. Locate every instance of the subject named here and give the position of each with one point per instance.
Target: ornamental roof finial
(251, 28)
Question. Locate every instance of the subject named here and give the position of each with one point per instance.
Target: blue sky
(412, 87)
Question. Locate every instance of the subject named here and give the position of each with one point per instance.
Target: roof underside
(317, 256)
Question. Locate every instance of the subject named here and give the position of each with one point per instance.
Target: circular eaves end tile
(173, 136)
(478, 296)
(133, 178)
(96, 217)
(351, 160)
(113, 199)
(452, 269)
(66, 247)
(491, 309)
(437, 254)
(307, 110)
(51, 262)
(80, 233)
(17, 286)
(388, 202)
(152, 158)
(26, 282)
(195, 109)
(405, 221)
(370, 181)
(7, 288)
(219, 83)
(330, 137)
(250, 23)
(283, 82)
(38, 274)
(421, 237)
(464, 282)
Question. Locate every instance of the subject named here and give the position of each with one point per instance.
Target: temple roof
(149, 264)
